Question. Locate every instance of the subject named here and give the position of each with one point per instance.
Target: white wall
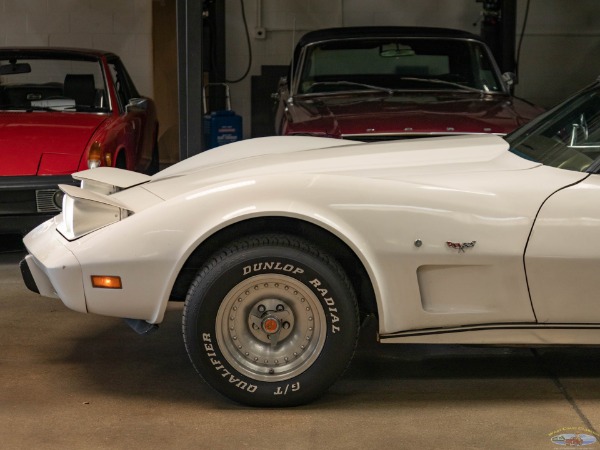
(120, 26)
(559, 55)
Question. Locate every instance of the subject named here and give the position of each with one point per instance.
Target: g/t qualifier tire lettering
(208, 347)
(270, 320)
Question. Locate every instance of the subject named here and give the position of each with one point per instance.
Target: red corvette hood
(408, 114)
(44, 143)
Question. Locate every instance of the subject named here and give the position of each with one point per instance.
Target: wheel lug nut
(286, 325)
(261, 308)
(279, 308)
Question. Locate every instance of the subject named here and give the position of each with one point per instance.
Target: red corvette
(62, 111)
(376, 83)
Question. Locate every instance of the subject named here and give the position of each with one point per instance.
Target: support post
(189, 74)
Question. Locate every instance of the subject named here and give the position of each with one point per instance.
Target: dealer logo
(573, 437)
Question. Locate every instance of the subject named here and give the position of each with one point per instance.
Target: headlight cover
(85, 212)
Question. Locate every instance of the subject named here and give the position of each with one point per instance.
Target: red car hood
(364, 115)
(44, 143)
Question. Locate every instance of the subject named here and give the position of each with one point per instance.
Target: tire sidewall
(329, 287)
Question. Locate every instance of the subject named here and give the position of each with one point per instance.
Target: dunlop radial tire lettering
(271, 320)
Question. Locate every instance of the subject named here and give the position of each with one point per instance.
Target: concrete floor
(75, 381)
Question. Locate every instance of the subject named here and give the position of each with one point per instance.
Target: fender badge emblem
(461, 247)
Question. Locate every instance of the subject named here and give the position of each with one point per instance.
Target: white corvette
(279, 245)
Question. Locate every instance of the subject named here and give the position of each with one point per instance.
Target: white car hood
(394, 160)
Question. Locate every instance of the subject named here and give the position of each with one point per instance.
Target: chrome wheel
(271, 327)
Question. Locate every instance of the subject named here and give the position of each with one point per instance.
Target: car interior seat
(81, 88)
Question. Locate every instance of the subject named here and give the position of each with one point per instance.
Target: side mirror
(510, 79)
(137, 104)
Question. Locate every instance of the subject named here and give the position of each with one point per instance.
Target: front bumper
(61, 269)
(27, 201)
(53, 271)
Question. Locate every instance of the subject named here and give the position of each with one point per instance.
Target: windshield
(52, 84)
(398, 64)
(567, 137)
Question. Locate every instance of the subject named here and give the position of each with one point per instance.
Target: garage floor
(69, 380)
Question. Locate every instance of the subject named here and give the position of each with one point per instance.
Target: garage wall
(560, 52)
(121, 26)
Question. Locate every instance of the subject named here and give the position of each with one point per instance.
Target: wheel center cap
(270, 325)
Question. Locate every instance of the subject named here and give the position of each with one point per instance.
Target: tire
(271, 321)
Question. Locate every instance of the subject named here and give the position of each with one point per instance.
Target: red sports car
(376, 83)
(61, 111)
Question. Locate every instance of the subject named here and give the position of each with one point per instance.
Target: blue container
(222, 127)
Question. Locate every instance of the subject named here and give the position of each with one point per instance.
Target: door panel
(563, 256)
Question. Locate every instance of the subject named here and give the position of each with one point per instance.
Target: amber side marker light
(106, 282)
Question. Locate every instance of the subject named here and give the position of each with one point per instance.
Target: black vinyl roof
(366, 32)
